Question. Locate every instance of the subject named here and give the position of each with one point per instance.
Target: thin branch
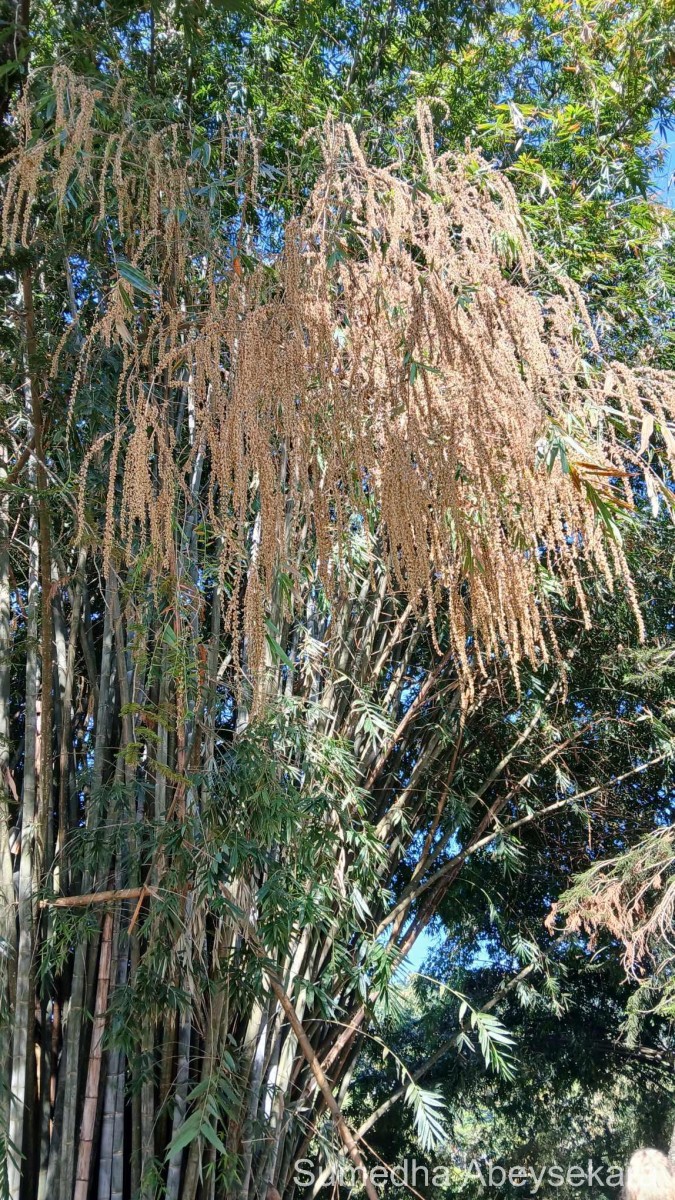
(504, 831)
(99, 897)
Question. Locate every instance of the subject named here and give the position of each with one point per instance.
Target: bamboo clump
(327, 485)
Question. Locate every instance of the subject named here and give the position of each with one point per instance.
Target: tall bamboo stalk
(69, 1076)
(7, 909)
(91, 1093)
(23, 1061)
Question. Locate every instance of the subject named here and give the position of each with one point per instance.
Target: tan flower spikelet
(406, 352)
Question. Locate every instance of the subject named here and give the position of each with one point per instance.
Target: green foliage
(547, 1047)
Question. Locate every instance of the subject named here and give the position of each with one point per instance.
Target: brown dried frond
(406, 351)
(632, 898)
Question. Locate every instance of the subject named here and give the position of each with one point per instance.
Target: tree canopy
(336, 592)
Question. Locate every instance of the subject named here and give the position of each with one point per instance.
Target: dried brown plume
(631, 898)
(405, 355)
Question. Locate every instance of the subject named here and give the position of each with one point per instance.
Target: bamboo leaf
(211, 1136)
(190, 1130)
(135, 277)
